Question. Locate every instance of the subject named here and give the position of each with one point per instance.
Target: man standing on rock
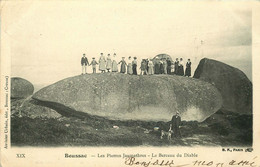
(176, 123)
(134, 64)
(84, 63)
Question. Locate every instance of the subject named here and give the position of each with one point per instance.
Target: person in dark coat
(123, 65)
(134, 64)
(176, 123)
(84, 64)
(161, 67)
(176, 66)
(169, 64)
(157, 66)
(188, 68)
(147, 67)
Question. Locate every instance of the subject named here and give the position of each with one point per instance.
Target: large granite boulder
(21, 88)
(125, 97)
(233, 84)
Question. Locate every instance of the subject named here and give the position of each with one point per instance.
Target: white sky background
(48, 38)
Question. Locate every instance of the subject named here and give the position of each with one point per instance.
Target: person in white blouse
(180, 69)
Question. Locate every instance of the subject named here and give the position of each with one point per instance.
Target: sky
(47, 38)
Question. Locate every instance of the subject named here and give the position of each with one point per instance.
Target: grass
(219, 130)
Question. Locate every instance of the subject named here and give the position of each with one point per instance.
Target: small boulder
(21, 88)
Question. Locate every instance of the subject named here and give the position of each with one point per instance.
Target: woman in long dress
(169, 64)
(102, 63)
(114, 64)
(129, 66)
(176, 67)
(188, 68)
(123, 65)
(143, 67)
(150, 69)
(180, 69)
(164, 66)
(109, 63)
(161, 67)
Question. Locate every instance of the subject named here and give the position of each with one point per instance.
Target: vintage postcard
(140, 83)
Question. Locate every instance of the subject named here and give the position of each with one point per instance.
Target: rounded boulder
(21, 88)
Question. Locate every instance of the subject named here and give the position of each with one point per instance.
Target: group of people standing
(110, 64)
(129, 66)
(165, 66)
(179, 67)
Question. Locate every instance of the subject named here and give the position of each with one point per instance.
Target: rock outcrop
(21, 88)
(125, 97)
(30, 108)
(161, 56)
(233, 84)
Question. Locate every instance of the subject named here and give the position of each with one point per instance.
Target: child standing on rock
(94, 63)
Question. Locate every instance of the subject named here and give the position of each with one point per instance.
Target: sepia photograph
(126, 74)
(133, 78)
